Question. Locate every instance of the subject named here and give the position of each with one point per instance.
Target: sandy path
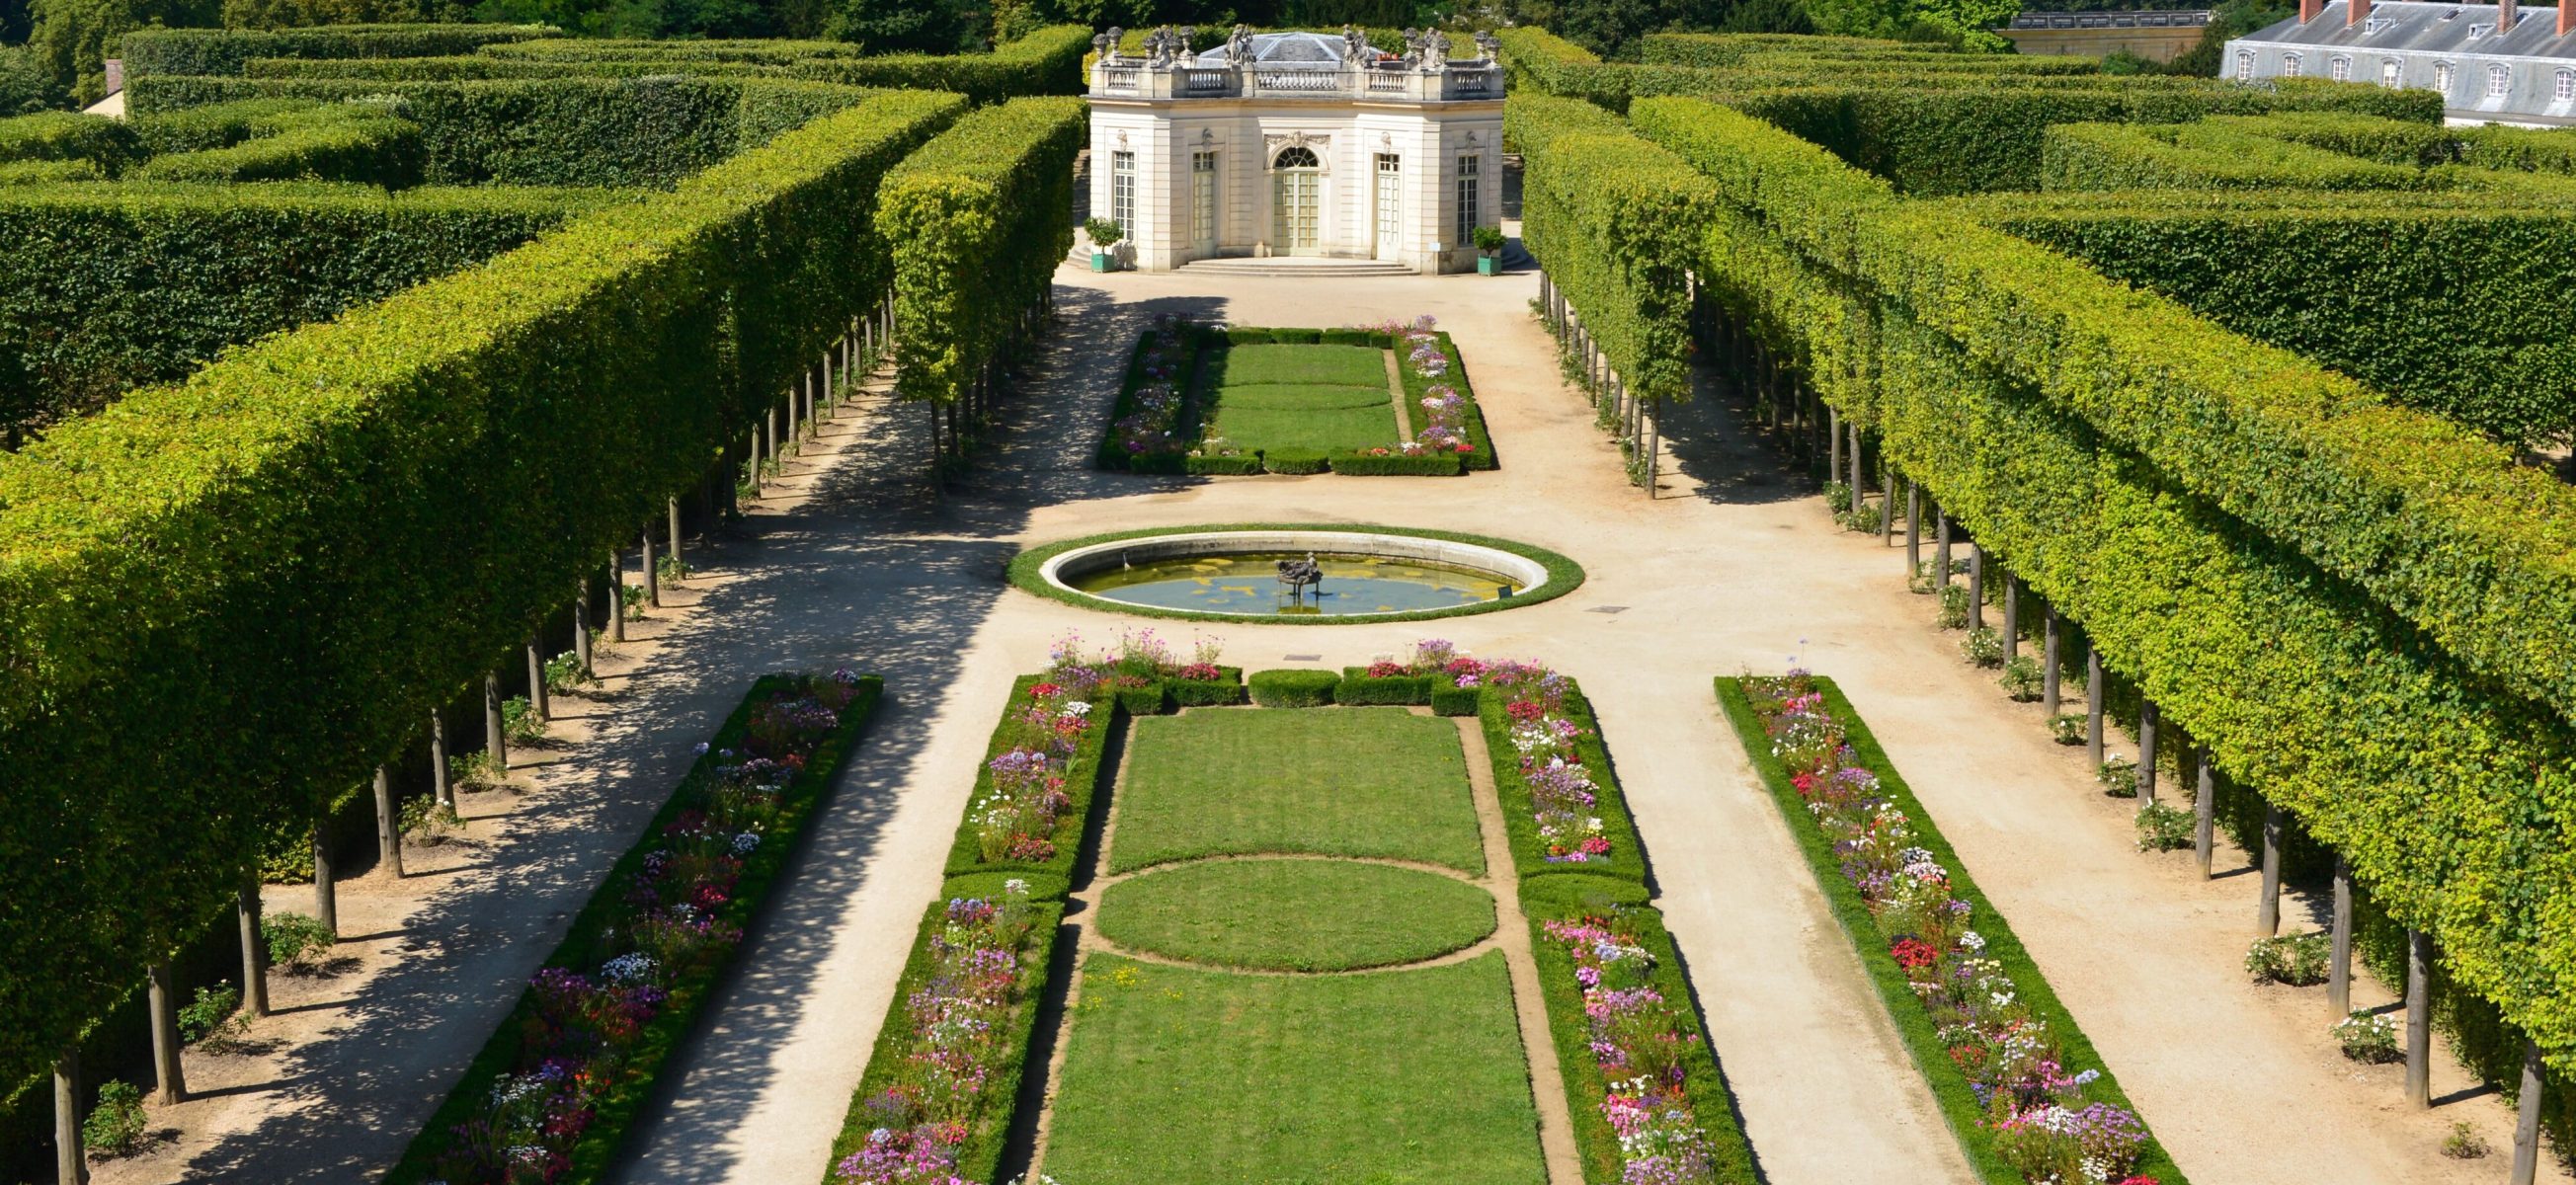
(1734, 567)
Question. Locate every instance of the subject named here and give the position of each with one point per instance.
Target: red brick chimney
(2308, 10)
(2358, 12)
(2507, 12)
(2566, 17)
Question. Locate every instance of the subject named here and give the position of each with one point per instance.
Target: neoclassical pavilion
(1297, 144)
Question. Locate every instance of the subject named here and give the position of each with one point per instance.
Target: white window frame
(1471, 196)
(2566, 88)
(2244, 65)
(2391, 74)
(1122, 192)
(2499, 80)
(2339, 69)
(2289, 65)
(1203, 213)
(2443, 76)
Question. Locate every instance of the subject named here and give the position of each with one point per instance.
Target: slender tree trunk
(2012, 617)
(1913, 529)
(388, 826)
(616, 597)
(2267, 911)
(496, 738)
(1941, 541)
(2339, 962)
(2204, 814)
(2526, 1128)
(1976, 586)
(1654, 446)
(71, 1157)
(2049, 675)
(169, 1074)
(1886, 502)
(2148, 719)
(439, 783)
(677, 564)
(2419, 1018)
(326, 892)
(581, 625)
(652, 571)
(1834, 453)
(754, 450)
(254, 951)
(538, 702)
(2093, 701)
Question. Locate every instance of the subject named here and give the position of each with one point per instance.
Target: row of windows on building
(2339, 68)
(1122, 189)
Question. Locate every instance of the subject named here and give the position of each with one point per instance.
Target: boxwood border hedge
(1563, 574)
(596, 1152)
(1959, 1106)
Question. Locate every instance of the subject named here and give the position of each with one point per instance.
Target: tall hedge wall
(222, 51)
(978, 220)
(2454, 304)
(105, 288)
(564, 131)
(358, 143)
(67, 135)
(1047, 61)
(2095, 156)
(2327, 653)
(1598, 208)
(224, 600)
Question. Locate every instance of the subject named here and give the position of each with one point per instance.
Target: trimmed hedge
(2398, 740)
(107, 287)
(321, 537)
(1599, 205)
(1563, 575)
(650, 131)
(590, 941)
(354, 144)
(1358, 687)
(2528, 149)
(1046, 62)
(222, 125)
(50, 172)
(978, 223)
(151, 52)
(1294, 688)
(1960, 1107)
(68, 135)
(2447, 303)
(2095, 156)
(469, 68)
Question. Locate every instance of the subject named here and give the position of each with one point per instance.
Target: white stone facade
(1288, 144)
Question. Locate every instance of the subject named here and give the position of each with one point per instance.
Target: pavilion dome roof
(1314, 51)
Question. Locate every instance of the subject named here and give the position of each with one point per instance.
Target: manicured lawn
(1355, 366)
(1176, 1076)
(1324, 399)
(1323, 781)
(1295, 915)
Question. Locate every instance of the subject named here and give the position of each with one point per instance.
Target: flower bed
(1649, 1104)
(1155, 421)
(935, 1105)
(1435, 382)
(2024, 1092)
(550, 1097)
(1561, 801)
(1042, 770)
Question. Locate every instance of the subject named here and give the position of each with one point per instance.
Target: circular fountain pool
(1364, 573)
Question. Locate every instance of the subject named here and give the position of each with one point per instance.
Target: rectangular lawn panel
(1327, 781)
(1178, 1076)
(1327, 430)
(1308, 397)
(1353, 366)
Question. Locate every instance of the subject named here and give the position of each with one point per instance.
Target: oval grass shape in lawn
(1295, 915)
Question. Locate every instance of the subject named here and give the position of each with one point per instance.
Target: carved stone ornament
(1275, 143)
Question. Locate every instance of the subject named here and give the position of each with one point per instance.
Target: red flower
(1913, 952)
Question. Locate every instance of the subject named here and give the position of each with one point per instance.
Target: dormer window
(2477, 31)
(2376, 25)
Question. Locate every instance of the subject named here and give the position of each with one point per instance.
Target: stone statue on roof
(1355, 46)
(1238, 45)
(1490, 44)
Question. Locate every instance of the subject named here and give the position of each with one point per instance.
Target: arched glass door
(1296, 199)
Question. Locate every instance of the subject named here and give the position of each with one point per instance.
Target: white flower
(1970, 940)
(1077, 708)
(745, 842)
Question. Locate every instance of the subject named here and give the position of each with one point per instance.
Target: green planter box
(1485, 265)
(1100, 261)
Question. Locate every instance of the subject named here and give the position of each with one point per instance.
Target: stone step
(1339, 269)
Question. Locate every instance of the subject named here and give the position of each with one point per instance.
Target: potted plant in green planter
(1104, 236)
(1489, 249)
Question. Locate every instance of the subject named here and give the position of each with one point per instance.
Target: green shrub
(1293, 688)
(211, 1014)
(2368, 1037)
(50, 172)
(1293, 461)
(2118, 776)
(362, 145)
(1447, 700)
(475, 771)
(2164, 828)
(1203, 693)
(2021, 679)
(1221, 466)
(1143, 701)
(2298, 960)
(115, 1126)
(1954, 607)
(2464, 1143)
(1983, 646)
(2070, 728)
(428, 821)
(1048, 61)
(295, 940)
(565, 672)
(2093, 156)
(149, 52)
(520, 722)
(222, 125)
